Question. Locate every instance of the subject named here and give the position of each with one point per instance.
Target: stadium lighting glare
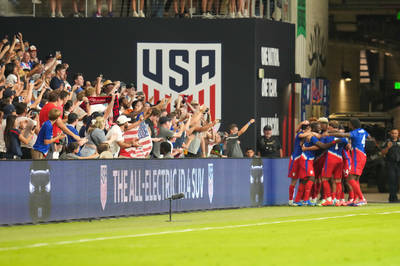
(346, 76)
(174, 197)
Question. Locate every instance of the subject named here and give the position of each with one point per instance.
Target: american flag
(140, 132)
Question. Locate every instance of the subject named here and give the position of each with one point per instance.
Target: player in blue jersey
(306, 162)
(304, 130)
(357, 136)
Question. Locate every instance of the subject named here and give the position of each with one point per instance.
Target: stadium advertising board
(41, 191)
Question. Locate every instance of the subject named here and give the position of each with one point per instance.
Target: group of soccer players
(324, 160)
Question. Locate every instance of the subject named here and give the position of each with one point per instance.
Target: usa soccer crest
(173, 69)
(210, 181)
(103, 185)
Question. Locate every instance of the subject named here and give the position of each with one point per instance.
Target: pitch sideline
(37, 245)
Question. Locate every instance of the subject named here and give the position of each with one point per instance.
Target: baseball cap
(323, 120)
(164, 120)
(107, 82)
(123, 119)
(267, 128)
(8, 93)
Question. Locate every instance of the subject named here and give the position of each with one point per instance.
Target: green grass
(368, 239)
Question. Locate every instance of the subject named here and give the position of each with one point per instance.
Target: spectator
(99, 8)
(71, 125)
(250, 153)
(96, 136)
(78, 7)
(134, 13)
(391, 150)
(8, 107)
(116, 132)
(2, 144)
(56, 4)
(72, 152)
(166, 150)
(104, 151)
(45, 136)
(269, 146)
(57, 82)
(13, 138)
(232, 145)
(165, 133)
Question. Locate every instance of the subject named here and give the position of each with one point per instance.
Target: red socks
(327, 189)
(307, 190)
(300, 192)
(291, 191)
(339, 190)
(356, 188)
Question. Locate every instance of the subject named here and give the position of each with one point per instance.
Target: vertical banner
(301, 18)
(326, 96)
(305, 96)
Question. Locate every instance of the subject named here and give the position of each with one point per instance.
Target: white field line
(37, 245)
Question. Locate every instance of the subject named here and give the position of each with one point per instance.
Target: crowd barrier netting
(43, 191)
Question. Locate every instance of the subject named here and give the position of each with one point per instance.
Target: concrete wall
(345, 96)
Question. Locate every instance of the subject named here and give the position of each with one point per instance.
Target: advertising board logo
(173, 69)
(210, 181)
(103, 185)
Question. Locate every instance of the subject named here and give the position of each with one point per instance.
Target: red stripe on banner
(290, 133)
(190, 98)
(284, 137)
(146, 91)
(169, 105)
(156, 96)
(201, 97)
(212, 102)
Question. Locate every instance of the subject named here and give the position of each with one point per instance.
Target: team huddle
(324, 160)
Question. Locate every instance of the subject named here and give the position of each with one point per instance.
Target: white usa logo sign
(173, 69)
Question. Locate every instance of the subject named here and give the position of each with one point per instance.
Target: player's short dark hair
(355, 122)
(20, 108)
(155, 112)
(72, 117)
(232, 126)
(314, 126)
(54, 96)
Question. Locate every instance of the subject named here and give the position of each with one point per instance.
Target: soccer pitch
(366, 235)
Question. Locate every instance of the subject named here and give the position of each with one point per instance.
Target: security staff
(391, 150)
(269, 146)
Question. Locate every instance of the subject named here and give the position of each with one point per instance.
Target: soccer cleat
(360, 203)
(290, 203)
(327, 203)
(297, 203)
(314, 200)
(308, 203)
(338, 203)
(350, 203)
(141, 14)
(321, 202)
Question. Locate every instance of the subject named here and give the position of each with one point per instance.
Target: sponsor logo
(269, 88)
(173, 69)
(103, 185)
(210, 181)
(270, 56)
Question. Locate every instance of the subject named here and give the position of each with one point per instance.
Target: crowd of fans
(44, 116)
(157, 8)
